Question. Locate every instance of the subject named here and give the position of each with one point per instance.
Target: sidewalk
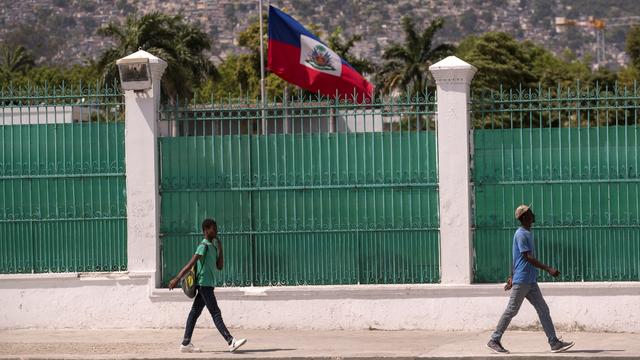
(276, 344)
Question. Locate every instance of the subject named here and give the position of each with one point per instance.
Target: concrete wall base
(125, 300)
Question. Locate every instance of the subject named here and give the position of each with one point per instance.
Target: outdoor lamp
(135, 74)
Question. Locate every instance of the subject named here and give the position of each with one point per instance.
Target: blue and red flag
(299, 57)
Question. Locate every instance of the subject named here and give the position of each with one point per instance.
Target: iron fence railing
(62, 192)
(306, 191)
(573, 153)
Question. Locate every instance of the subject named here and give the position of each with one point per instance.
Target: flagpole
(262, 95)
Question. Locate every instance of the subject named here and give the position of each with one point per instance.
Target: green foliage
(633, 45)
(181, 44)
(550, 70)
(31, 36)
(239, 74)
(628, 76)
(14, 61)
(18, 69)
(500, 59)
(46, 75)
(406, 65)
(505, 62)
(342, 47)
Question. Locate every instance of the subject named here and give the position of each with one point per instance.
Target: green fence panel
(575, 158)
(62, 184)
(311, 204)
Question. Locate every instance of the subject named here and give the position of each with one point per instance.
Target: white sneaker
(235, 344)
(189, 348)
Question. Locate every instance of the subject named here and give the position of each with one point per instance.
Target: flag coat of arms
(299, 57)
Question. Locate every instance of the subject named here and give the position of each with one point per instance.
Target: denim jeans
(532, 293)
(205, 297)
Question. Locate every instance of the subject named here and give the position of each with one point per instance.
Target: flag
(299, 57)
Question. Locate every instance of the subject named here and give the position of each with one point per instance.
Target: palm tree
(14, 60)
(180, 44)
(406, 65)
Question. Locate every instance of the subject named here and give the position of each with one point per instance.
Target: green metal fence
(304, 192)
(573, 153)
(62, 185)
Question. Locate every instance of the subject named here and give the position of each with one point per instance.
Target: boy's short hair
(207, 223)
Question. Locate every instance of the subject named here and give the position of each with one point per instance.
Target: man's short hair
(207, 223)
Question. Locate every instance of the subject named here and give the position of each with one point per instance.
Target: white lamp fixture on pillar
(140, 75)
(135, 74)
(136, 70)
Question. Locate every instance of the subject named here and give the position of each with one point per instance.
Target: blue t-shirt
(523, 271)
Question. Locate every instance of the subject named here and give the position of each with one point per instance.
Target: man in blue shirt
(523, 280)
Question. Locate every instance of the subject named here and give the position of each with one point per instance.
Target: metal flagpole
(262, 95)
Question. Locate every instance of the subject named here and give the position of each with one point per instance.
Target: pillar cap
(452, 70)
(141, 54)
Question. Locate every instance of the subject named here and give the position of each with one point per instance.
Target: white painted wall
(43, 114)
(122, 301)
(31, 115)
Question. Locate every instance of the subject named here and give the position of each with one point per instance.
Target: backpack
(190, 280)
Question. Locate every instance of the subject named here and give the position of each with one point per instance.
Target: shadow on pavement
(591, 351)
(249, 351)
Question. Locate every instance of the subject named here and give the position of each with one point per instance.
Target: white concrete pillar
(453, 78)
(141, 161)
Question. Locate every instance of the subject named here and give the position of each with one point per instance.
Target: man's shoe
(190, 348)
(496, 347)
(560, 346)
(235, 344)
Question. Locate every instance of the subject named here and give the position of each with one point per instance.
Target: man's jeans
(206, 298)
(532, 293)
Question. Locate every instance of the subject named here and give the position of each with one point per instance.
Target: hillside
(64, 31)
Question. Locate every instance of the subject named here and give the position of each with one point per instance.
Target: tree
(86, 75)
(14, 60)
(406, 65)
(31, 36)
(239, 74)
(342, 47)
(550, 70)
(632, 46)
(628, 76)
(179, 43)
(500, 59)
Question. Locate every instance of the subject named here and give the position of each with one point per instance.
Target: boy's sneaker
(496, 347)
(560, 346)
(236, 343)
(189, 348)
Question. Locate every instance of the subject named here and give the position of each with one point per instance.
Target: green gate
(304, 192)
(573, 153)
(62, 182)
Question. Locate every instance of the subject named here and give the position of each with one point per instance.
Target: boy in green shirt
(208, 254)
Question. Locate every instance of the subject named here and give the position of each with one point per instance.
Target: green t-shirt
(207, 263)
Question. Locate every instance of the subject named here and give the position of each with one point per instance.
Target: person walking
(524, 285)
(208, 256)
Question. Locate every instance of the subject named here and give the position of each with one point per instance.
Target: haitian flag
(299, 57)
